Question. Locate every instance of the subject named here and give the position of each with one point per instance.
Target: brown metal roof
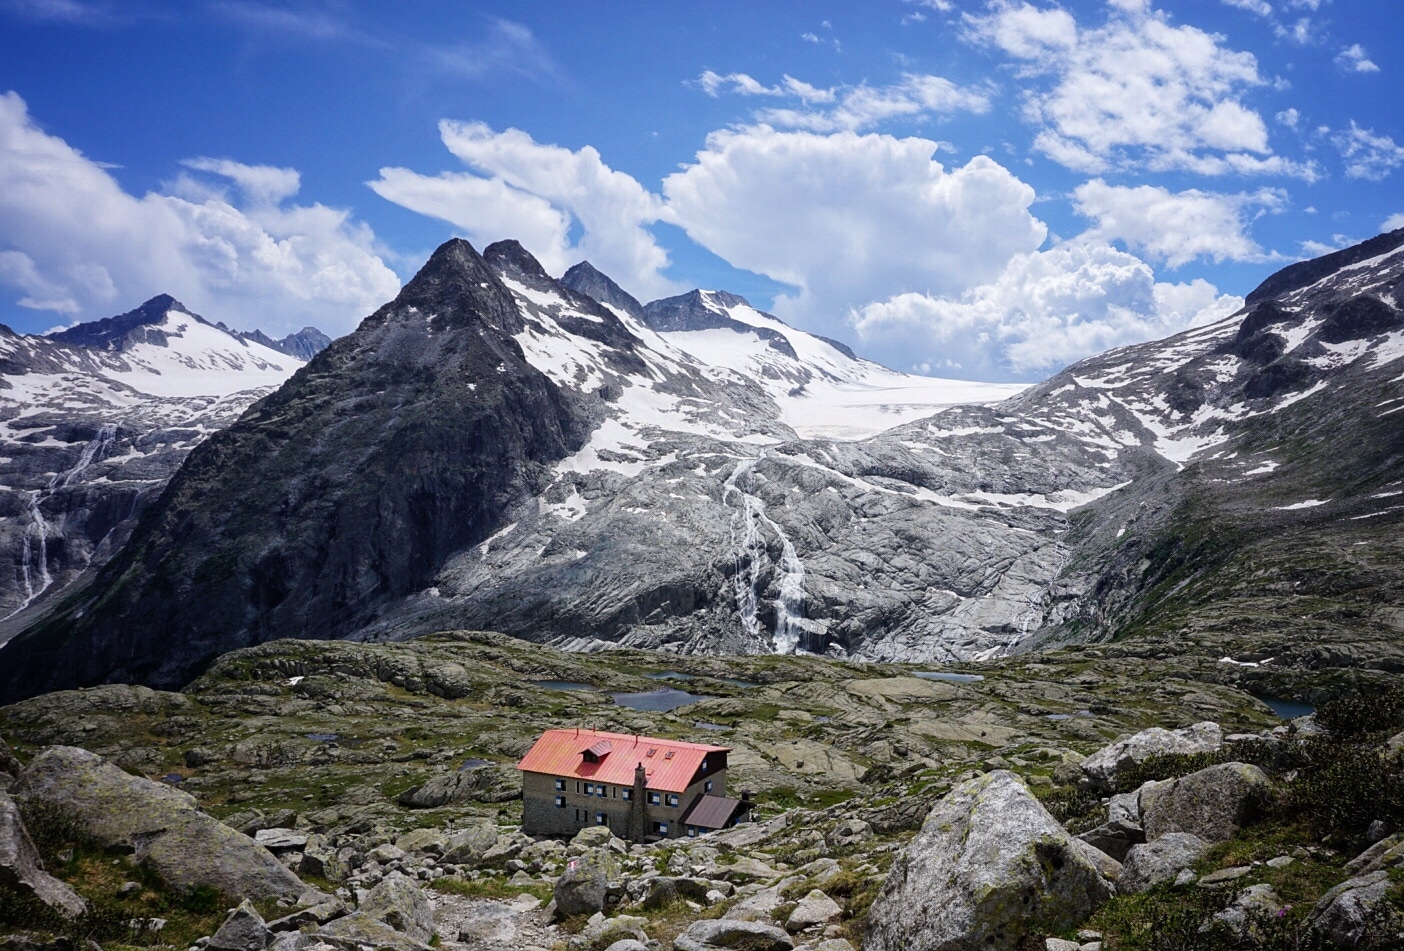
(712, 812)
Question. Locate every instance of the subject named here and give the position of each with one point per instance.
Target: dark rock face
(396, 447)
(124, 330)
(584, 279)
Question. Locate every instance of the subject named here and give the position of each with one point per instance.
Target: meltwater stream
(34, 555)
(748, 541)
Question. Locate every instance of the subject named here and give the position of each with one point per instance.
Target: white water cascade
(748, 541)
(38, 527)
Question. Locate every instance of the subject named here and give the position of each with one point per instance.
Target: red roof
(670, 764)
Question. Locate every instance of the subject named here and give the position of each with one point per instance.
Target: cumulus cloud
(1393, 222)
(847, 219)
(1134, 92)
(1367, 155)
(1044, 310)
(1177, 227)
(1354, 59)
(853, 108)
(74, 242)
(539, 194)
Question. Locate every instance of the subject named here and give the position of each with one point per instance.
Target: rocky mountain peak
(1303, 274)
(457, 287)
(124, 330)
(510, 258)
(585, 279)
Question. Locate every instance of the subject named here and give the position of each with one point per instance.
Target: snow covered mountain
(499, 449)
(93, 421)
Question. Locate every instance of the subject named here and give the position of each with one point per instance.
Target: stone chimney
(638, 805)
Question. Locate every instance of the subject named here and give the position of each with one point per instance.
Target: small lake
(1288, 709)
(561, 685)
(657, 701)
(949, 678)
(474, 764)
(174, 779)
(323, 737)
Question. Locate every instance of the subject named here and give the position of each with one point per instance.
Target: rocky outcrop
(399, 903)
(22, 870)
(726, 933)
(586, 884)
(1105, 768)
(1212, 803)
(1353, 914)
(988, 866)
(480, 784)
(161, 827)
(243, 930)
(1151, 863)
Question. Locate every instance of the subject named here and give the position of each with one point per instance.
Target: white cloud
(75, 243)
(519, 188)
(850, 107)
(1302, 32)
(1289, 117)
(848, 218)
(1176, 227)
(1044, 310)
(1261, 7)
(1367, 155)
(1134, 92)
(1393, 222)
(1354, 59)
(261, 184)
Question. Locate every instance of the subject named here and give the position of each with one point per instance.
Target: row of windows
(602, 791)
(597, 789)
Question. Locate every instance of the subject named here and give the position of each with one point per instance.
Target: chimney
(745, 795)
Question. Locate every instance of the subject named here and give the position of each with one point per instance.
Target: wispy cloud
(850, 107)
(74, 12)
(509, 47)
(296, 24)
(505, 46)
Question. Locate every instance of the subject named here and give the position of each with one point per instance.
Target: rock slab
(22, 870)
(989, 865)
(160, 826)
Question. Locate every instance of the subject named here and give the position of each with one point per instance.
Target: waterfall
(748, 542)
(38, 527)
(93, 452)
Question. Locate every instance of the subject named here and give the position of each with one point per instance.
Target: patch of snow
(1308, 504)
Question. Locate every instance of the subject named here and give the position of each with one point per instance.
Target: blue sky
(966, 188)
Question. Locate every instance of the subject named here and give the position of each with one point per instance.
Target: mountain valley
(499, 449)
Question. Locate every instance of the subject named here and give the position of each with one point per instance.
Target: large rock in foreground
(1211, 803)
(988, 866)
(161, 826)
(1104, 769)
(21, 869)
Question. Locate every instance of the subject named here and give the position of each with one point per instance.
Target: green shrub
(1362, 716)
(1342, 787)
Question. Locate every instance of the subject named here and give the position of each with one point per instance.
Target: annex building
(641, 787)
